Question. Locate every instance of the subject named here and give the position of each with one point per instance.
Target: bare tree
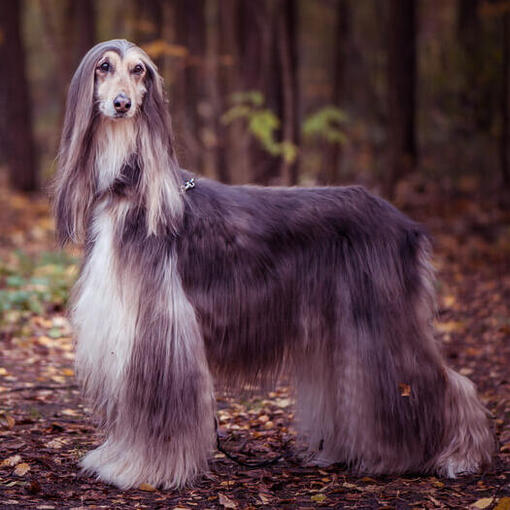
(332, 161)
(259, 65)
(401, 81)
(505, 124)
(288, 46)
(189, 85)
(20, 146)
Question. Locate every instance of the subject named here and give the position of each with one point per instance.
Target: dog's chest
(103, 315)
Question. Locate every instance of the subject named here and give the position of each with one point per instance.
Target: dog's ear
(74, 185)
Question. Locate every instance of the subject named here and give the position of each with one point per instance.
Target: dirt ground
(45, 426)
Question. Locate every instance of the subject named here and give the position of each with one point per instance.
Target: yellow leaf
(318, 498)
(226, 502)
(146, 487)
(503, 504)
(68, 372)
(450, 326)
(405, 389)
(46, 341)
(3, 371)
(264, 498)
(449, 301)
(21, 469)
(55, 443)
(159, 47)
(11, 461)
(70, 412)
(10, 421)
(482, 503)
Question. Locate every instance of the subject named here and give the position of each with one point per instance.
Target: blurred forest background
(282, 91)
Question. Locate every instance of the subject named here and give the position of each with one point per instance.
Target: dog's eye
(138, 69)
(105, 67)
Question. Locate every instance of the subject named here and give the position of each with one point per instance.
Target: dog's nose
(122, 103)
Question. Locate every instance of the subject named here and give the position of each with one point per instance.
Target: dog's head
(120, 82)
(115, 78)
(115, 81)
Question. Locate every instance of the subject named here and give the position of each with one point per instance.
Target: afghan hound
(184, 277)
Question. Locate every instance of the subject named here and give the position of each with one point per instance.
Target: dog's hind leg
(379, 396)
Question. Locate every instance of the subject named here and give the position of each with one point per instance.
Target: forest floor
(45, 425)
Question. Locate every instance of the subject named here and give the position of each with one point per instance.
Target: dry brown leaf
(318, 498)
(10, 421)
(146, 487)
(265, 498)
(405, 389)
(11, 461)
(482, 503)
(503, 504)
(448, 301)
(70, 412)
(22, 469)
(450, 326)
(226, 502)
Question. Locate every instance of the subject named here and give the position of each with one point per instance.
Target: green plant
(327, 123)
(33, 283)
(262, 123)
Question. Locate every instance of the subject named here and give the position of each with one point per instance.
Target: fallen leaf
(405, 389)
(482, 503)
(146, 487)
(503, 504)
(450, 326)
(226, 502)
(55, 443)
(3, 371)
(11, 461)
(318, 498)
(448, 301)
(69, 412)
(22, 469)
(265, 498)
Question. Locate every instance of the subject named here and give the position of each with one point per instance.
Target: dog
(184, 277)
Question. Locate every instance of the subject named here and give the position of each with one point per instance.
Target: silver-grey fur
(237, 281)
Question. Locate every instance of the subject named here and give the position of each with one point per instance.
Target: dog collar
(189, 184)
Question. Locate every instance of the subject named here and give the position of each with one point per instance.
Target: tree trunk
(189, 97)
(260, 70)
(401, 81)
(288, 49)
(231, 161)
(469, 35)
(20, 146)
(150, 14)
(332, 161)
(85, 27)
(505, 128)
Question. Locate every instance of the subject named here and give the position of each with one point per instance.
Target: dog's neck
(131, 162)
(115, 146)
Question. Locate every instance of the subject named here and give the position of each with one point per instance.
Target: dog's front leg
(162, 429)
